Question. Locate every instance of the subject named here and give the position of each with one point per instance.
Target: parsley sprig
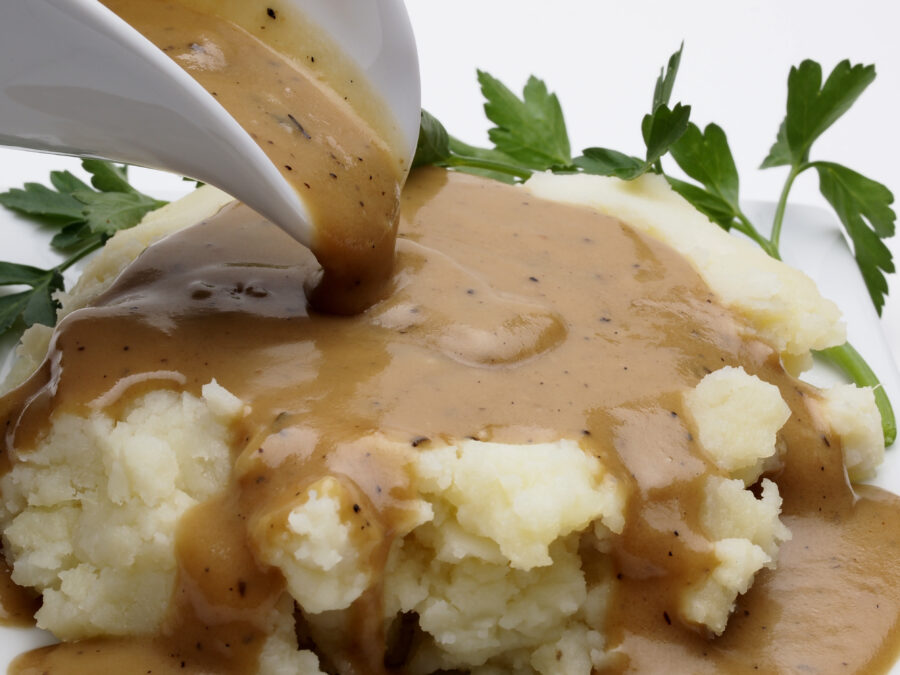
(862, 204)
(84, 217)
(530, 135)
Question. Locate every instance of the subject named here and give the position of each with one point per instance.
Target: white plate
(812, 239)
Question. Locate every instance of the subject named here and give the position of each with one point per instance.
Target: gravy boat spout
(76, 79)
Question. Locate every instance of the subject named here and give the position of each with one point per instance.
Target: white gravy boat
(76, 79)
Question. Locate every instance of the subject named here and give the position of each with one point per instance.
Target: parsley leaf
(107, 212)
(662, 92)
(50, 206)
(80, 211)
(106, 176)
(812, 107)
(530, 135)
(86, 218)
(41, 307)
(35, 305)
(660, 129)
(486, 162)
(117, 205)
(71, 235)
(14, 273)
(863, 206)
(606, 162)
(531, 130)
(708, 203)
(11, 307)
(433, 146)
(66, 182)
(706, 157)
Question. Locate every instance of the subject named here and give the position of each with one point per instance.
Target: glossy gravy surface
(509, 319)
(346, 174)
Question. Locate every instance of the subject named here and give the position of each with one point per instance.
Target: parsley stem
(775, 237)
(94, 243)
(745, 226)
(490, 165)
(849, 360)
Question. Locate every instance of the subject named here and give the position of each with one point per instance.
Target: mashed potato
(737, 417)
(782, 303)
(89, 517)
(488, 558)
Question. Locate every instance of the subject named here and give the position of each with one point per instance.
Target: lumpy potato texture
(490, 564)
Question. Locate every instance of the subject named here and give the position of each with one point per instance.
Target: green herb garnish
(84, 218)
(530, 135)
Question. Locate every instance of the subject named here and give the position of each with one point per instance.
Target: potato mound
(489, 556)
(88, 517)
(496, 577)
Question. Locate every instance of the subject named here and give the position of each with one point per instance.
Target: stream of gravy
(509, 319)
(344, 171)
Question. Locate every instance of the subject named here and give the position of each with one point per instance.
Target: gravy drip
(346, 175)
(510, 319)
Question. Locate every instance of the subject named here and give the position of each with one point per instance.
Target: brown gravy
(346, 174)
(509, 319)
(17, 605)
